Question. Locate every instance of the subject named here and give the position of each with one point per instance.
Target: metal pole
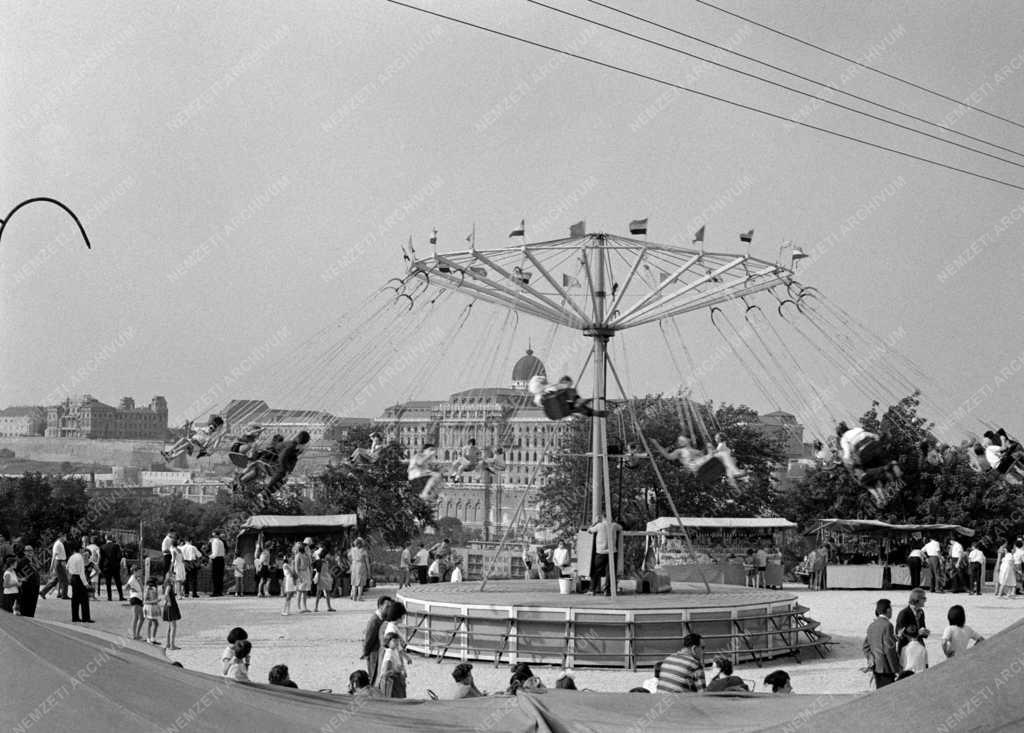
(601, 479)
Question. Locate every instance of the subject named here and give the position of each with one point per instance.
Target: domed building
(497, 417)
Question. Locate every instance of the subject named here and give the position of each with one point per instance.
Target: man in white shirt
(165, 549)
(190, 555)
(603, 547)
(914, 562)
(217, 564)
(422, 560)
(79, 587)
(976, 567)
(959, 563)
(58, 569)
(405, 565)
(933, 555)
(560, 557)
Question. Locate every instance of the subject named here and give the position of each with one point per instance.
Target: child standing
(228, 657)
(12, 584)
(151, 611)
(289, 584)
(239, 667)
(135, 595)
(171, 612)
(958, 635)
(914, 655)
(239, 566)
(392, 670)
(324, 581)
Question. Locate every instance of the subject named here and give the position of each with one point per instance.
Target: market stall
(867, 553)
(282, 530)
(720, 545)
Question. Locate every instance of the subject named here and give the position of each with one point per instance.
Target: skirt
(151, 611)
(171, 611)
(304, 581)
(289, 583)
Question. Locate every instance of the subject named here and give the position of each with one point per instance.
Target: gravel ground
(321, 649)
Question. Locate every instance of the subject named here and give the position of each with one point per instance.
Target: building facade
(503, 418)
(18, 421)
(87, 417)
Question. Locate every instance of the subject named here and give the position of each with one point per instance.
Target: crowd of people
(895, 652)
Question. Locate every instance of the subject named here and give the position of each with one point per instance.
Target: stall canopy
(662, 524)
(874, 527)
(297, 523)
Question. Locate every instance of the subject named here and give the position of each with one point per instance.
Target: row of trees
(35, 506)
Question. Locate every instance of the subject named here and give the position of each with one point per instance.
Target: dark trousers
(421, 573)
(914, 564)
(167, 564)
(191, 581)
(975, 570)
(372, 663)
(59, 579)
(116, 577)
(600, 569)
(79, 600)
(217, 575)
(881, 680)
(933, 567)
(8, 602)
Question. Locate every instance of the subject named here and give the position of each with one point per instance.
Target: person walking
(79, 587)
(359, 567)
(880, 646)
(217, 553)
(110, 567)
(58, 568)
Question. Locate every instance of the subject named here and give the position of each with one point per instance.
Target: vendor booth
(720, 545)
(867, 553)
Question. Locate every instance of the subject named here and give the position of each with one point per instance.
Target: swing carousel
(598, 286)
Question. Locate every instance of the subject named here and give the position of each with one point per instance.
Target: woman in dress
(288, 591)
(302, 565)
(359, 568)
(1006, 580)
(263, 573)
(177, 566)
(171, 612)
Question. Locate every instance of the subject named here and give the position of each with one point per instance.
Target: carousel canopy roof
(664, 523)
(600, 280)
(873, 526)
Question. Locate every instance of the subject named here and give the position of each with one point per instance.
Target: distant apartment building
(87, 417)
(321, 426)
(20, 421)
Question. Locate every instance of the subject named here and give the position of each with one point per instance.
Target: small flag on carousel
(433, 237)
(519, 231)
(799, 254)
(699, 236)
(568, 281)
(579, 229)
(638, 226)
(747, 237)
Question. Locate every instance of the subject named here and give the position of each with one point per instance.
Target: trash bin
(565, 586)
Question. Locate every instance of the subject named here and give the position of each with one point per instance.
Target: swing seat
(711, 471)
(556, 405)
(238, 460)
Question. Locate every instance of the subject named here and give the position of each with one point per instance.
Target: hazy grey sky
(248, 173)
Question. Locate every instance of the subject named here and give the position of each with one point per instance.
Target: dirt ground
(321, 649)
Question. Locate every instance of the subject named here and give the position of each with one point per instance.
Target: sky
(247, 175)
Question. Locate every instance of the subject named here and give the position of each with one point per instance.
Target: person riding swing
(865, 456)
(560, 400)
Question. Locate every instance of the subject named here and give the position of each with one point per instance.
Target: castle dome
(526, 368)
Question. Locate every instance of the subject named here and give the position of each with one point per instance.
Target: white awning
(662, 524)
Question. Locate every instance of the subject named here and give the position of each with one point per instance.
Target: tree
(636, 493)
(36, 507)
(378, 493)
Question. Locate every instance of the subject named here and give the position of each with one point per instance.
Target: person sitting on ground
(368, 455)
(425, 472)
(651, 683)
(468, 460)
(464, 684)
(523, 679)
(779, 682)
(359, 684)
(684, 670)
(203, 438)
(279, 676)
(239, 667)
(287, 459)
(561, 399)
(724, 680)
(565, 680)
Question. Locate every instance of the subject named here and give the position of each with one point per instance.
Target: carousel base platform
(531, 621)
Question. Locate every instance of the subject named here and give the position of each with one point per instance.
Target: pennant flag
(405, 252)
(579, 229)
(521, 275)
(519, 231)
(433, 237)
(699, 236)
(568, 281)
(747, 237)
(411, 250)
(799, 254)
(638, 226)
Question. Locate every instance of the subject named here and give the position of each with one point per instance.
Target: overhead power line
(825, 85)
(861, 64)
(707, 95)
